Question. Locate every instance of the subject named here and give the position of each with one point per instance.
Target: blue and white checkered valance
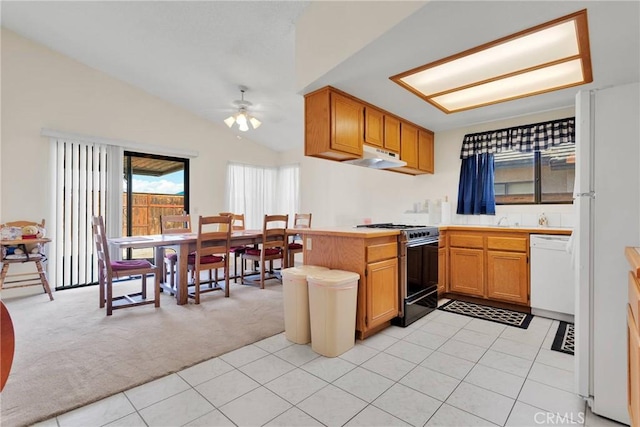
(527, 138)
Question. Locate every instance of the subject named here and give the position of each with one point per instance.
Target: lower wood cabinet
(466, 274)
(633, 339)
(382, 292)
(633, 375)
(375, 259)
(486, 264)
(508, 276)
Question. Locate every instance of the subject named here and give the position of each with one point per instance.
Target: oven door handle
(421, 298)
(417, 243)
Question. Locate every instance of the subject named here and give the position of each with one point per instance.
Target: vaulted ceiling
(196, 54)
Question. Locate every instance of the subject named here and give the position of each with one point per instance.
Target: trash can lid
(333, 278)
(302, 271)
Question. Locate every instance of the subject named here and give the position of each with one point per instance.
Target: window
(153, 185)
(537, 177)
(259, 190)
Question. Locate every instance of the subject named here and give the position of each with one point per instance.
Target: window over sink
(538, 177)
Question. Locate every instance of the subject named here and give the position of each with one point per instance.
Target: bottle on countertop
(542, 220)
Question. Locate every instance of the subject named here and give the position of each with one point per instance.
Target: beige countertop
(524, 229)
(365, 233)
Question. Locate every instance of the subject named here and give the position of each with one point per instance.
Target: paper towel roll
(446, 213)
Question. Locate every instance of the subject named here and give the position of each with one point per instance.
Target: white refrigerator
(607, 202)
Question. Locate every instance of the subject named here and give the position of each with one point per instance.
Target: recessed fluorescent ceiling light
(551, 56)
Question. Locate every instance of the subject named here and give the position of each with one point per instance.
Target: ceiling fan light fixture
(242, 118)
(229, 121)
(255, 122)
(551, 56)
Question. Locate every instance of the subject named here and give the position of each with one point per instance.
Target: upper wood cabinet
(416, 148)
(374, 127)
(334, 125)
(391, 133)
(425, 151)
(338, 124)
(409, 145)
(381, 130)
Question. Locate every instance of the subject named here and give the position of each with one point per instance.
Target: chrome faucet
(506, 222)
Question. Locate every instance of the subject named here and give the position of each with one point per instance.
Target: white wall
(328, 32)
(44, 89)
(340, 194)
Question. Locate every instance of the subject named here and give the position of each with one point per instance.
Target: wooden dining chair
(173, 224)
(237, 224)
(212, 253)
(295, 246)
(272, 247)
(108, 270)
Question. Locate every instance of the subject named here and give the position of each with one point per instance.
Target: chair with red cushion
(173, 224)
(212, 253)
(237, 224)
(273, 246)
(295, 246)
(108, 270)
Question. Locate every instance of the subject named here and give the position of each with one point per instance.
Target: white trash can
(296, 302)
(333, 298)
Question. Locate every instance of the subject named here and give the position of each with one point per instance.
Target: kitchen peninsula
(486, 262)
(373, 254)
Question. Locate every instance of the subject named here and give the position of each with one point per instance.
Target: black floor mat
(492, 314)
(564, 340)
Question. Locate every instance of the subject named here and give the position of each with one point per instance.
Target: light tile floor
(443, 370)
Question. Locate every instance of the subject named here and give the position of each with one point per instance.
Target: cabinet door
(633, 366)
(382, 292)
(409, 145)
(466, 271)
(425, 151)
(347, 124)
(442, 271)
(507, 276)
(392, 134)
(374, 127)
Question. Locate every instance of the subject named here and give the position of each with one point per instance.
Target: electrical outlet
(308, 244)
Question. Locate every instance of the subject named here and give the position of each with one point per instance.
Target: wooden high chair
(37, 259)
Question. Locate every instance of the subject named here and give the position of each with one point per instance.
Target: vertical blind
(88, 182)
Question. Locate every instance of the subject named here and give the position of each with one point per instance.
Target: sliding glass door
(152, 186)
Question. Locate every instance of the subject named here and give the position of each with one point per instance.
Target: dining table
(184, 244)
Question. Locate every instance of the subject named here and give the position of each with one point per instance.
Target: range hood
(377, 158)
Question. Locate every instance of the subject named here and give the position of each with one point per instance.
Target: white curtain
(88, 181)
(289, 190)
(258, 190)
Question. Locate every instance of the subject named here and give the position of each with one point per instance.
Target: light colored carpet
(69, 353)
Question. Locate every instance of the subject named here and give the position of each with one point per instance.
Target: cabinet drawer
(466, 241)
(634, 298)
(381, 252)
(506, 243)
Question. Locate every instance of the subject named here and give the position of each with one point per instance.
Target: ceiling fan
(242, 118)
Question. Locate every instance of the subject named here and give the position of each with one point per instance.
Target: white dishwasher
(552, 283)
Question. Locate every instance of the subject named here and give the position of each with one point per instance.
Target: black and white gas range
(418, 265)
